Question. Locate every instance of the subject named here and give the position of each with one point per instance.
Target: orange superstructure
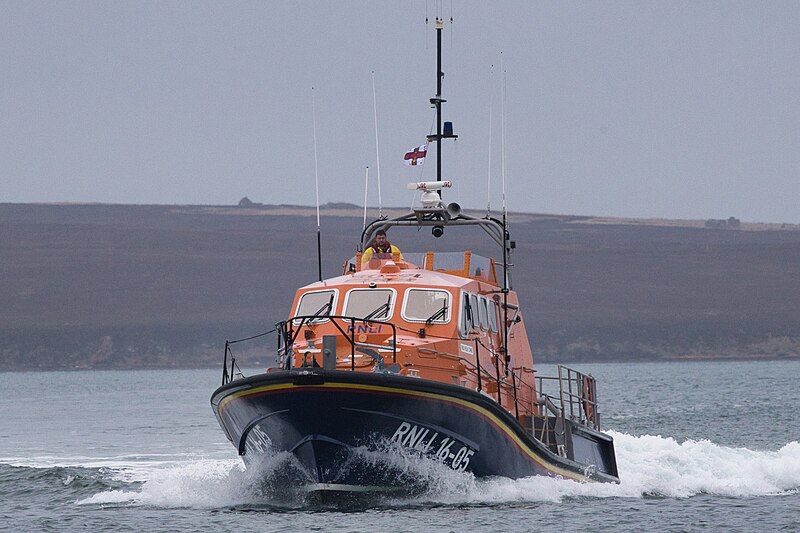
(462, 344)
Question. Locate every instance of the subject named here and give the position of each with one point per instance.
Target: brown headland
(154, 286)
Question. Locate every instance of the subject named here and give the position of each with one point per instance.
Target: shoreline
(579, 361)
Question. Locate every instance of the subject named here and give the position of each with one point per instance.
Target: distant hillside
(118, 286)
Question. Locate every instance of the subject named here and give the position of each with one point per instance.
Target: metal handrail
(229, 376)
(289, 330)
(577, 392)
(475, 368)
(509, 386)
(576, 395)
(288, 334)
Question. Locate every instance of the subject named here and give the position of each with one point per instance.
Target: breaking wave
(655, 466)
(649, 466)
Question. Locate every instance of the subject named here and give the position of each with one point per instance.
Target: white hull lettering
(401, 432)
(447, 450)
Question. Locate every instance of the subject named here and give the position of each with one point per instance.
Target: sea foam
(651, 466)
(657, 466)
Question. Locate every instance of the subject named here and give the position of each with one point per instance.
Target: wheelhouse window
(373, 304)
(423, 305)
(318, 303)
(473, 304)
(483, 315)
(473, 313)
(493, 315)
(466, 322)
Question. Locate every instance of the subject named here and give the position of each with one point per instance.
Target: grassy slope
(137, 286)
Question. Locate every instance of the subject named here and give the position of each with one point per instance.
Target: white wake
(648, 466)
(657, 466)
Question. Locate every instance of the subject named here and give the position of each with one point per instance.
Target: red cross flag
(416, 156)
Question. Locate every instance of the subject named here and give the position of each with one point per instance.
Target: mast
(437, 102)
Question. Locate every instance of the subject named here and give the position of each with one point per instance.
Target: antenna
(489, 176)
(377, 149)
(366, 188)
(316, 181)
(426, 24)
(451, 24)
(503, 132)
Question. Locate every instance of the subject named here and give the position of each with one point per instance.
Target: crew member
(381, 248)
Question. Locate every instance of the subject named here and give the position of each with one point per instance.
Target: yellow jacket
(369, 252)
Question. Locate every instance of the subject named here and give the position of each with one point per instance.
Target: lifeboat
(413, 355)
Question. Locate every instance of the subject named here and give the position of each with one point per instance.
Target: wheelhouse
(467, 296)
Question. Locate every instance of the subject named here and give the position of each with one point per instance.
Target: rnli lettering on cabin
(416, 156)
(365, 328)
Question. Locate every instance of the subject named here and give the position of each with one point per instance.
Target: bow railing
(289, 330)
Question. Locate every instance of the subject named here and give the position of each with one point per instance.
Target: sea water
(699, 445)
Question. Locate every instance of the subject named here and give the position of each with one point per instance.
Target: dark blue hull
(346, 430)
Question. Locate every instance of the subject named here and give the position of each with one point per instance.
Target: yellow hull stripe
(377, 388)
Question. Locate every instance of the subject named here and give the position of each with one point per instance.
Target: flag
(416, 156)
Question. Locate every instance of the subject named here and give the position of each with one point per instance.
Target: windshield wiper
(441, 313)
(382, 310)
(327, 306)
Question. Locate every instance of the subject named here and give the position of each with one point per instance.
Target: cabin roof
(409, 276)
(431, 269)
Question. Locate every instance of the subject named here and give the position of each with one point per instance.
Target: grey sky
(666, 109)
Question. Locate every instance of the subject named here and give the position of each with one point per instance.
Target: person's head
(380, 237)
